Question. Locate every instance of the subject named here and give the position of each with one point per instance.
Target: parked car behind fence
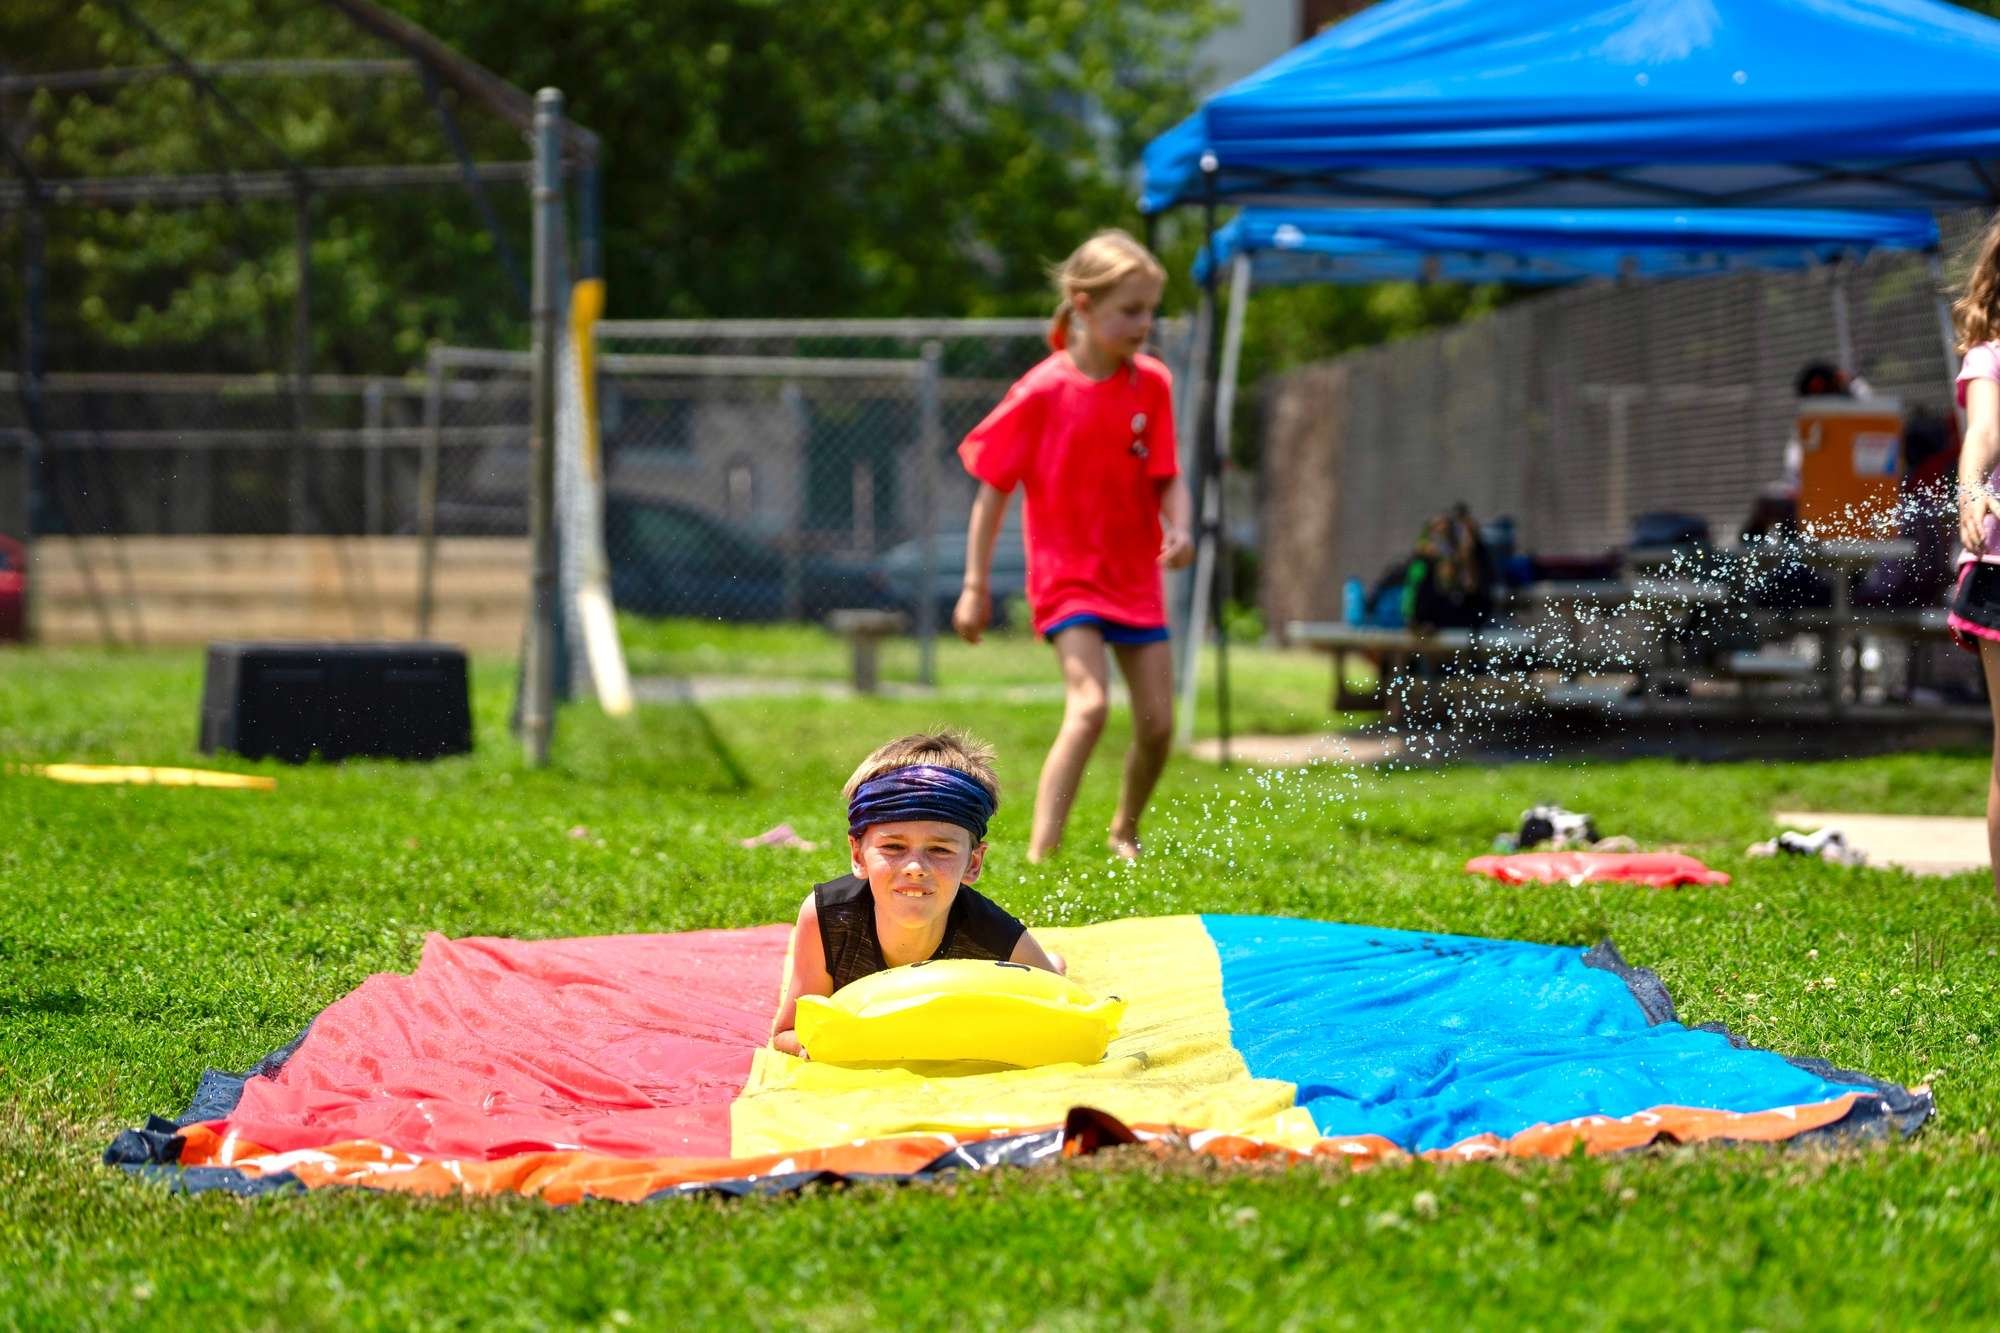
(901, 569)
(671, 559)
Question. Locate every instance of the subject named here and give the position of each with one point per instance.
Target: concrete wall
(154, 591)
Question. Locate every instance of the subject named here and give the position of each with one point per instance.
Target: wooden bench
(865, 630)
(1394, 651)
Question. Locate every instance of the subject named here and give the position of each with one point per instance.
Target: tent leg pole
(1217, 532)
(1232, 353)
(1211, 500)
(1187, 402)
(1204, 557)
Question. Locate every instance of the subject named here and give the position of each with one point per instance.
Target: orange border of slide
(569, 1177)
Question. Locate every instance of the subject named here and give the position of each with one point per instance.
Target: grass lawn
(1273, 691)
(146, 933)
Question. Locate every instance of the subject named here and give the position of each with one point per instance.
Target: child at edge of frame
(1088, 435)
(917, 811)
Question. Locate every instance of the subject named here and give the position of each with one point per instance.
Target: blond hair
(1977, 311)
(1095, 267)
(946, 747)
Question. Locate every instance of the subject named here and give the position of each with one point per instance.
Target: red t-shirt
(1093, 456)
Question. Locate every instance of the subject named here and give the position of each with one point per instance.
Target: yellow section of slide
(1171, 1063)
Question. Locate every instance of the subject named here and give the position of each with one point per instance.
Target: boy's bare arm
(1029, 950)
(975, 603)
(808, 977)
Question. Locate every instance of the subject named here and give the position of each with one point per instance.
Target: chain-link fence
(180, 508)
(819, 484)
(761, 470)
(754, 471)
(215, 455)
(1575, 412)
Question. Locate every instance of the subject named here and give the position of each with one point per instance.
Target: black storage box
(297, 700)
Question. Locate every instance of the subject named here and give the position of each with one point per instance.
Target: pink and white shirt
(1982, 363)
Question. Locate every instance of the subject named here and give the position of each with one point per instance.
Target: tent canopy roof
(1608, 103)
(1296, 245)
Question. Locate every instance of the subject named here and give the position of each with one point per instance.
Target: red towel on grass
(1660, 870)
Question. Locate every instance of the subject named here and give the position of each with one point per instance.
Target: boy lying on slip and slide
(917, 810)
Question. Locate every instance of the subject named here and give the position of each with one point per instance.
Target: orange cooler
(1850, 462)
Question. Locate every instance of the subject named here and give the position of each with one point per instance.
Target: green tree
(761, 157)
(850, 156)
(212, 286)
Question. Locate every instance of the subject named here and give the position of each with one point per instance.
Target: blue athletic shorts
(1112, 630)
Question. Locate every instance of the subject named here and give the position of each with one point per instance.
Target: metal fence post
(373, 400)
(792, 572)
(34, 284)
(930, 439)
(1207, 575)
(296, 485)
(427, 487)
(538, 661)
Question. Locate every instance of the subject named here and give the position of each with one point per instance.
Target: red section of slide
(624, 1045)
(1660, 870)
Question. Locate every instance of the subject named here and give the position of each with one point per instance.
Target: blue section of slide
(1429, 1039)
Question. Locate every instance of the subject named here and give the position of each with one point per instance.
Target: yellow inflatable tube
(959, 1009)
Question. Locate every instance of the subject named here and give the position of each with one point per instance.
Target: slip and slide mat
(627, 1067)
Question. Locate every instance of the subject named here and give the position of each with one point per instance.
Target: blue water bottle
(1353, 602)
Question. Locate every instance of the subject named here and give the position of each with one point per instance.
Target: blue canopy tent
(1287, 247)
(1607, 103)
(1290, 247)
(1598, 103)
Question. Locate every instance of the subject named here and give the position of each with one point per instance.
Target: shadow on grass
(739, 777)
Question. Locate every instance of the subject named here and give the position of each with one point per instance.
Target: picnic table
(1843, 561)
(1394, 652)
(1574, 627)
(1569, 632)
(1619, 592)
(1627, 624)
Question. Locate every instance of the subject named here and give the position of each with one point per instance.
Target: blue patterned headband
(921, 791)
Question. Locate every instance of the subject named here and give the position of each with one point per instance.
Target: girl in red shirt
(1089, 435)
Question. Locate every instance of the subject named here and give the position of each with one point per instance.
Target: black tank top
(976, 927)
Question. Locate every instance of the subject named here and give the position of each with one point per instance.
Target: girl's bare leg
(1148, 669)
(1086, 700)
(1989, 660)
